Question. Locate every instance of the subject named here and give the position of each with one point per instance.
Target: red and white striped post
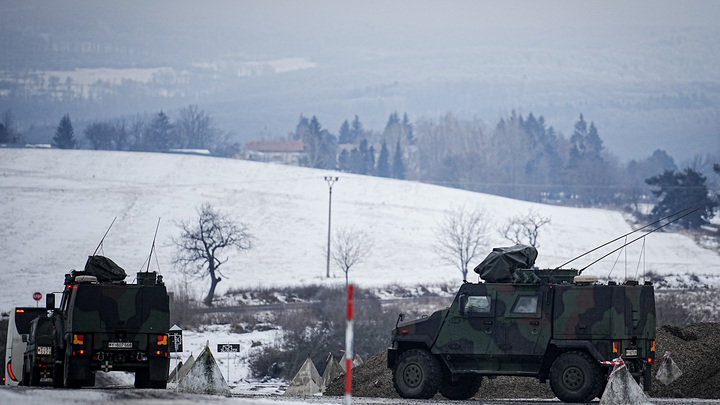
(349, 346)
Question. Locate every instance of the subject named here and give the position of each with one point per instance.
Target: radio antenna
(152, 248)
(640, 237)
(103, 238)
(620, 237)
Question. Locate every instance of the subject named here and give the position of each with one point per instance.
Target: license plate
(120, 345)
(631, 352)
(44, 350)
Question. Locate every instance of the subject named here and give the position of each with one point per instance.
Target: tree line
(520, 157)
(193, 129)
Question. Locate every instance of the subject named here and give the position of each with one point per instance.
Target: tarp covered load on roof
(104, 269)
(501, 263)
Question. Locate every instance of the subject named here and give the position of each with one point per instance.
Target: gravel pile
(695, 349)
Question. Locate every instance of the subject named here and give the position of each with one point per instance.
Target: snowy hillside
(55, 206)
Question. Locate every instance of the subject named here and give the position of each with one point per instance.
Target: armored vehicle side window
(477, 304)
(525, 305)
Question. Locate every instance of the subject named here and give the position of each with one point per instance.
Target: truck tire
(142, 379)
(417, 374)
(465, 388)
(67, 382)
(58, 376)
(576, 377)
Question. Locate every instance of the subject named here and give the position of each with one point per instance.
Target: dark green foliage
(64, 134)
(680, 190)
(159, 135)
(383, 163)
(345, 135)
(398, 167)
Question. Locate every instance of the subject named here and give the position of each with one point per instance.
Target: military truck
(38, 360)
(555, 325)
(106, 324)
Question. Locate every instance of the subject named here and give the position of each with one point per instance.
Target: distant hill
(55, 206)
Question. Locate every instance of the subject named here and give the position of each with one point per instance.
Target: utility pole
(330, 181)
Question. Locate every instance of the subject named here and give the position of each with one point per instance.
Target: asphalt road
(130, 396)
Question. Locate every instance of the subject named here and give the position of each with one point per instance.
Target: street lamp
(330, 181)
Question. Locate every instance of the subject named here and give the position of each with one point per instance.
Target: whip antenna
(152, 248)
(620, 237)
(103, 238)
(640, 237)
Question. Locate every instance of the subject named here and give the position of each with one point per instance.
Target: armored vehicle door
(522, 326)
(467, 338)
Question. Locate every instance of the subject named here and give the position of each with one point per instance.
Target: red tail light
(19, 311)
(78, 339)
(10, 373)
(652, 345)
(162, 340)
(615, 347)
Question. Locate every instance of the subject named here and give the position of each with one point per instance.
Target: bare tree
(200, 244)
(196, 129)
(461, 236)
(350, 247)
(524, 229)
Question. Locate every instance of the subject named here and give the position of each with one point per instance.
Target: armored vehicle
(106, 324)
(38, 360)
(555, 325)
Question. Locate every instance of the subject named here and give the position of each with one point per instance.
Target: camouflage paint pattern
(520, 328)
(115, 326)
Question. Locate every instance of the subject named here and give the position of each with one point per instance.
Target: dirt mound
(695, 349)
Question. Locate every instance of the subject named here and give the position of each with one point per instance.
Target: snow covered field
(55, 206)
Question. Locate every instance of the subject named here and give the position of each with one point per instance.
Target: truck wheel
(417, 374)
(142, 379)
(58, 376)
(464, 388)
(34, 376)
(158, 384)
(69, 383)
(576, 377)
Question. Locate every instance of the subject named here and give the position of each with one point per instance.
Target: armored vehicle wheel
(417, 374)
(464, 388)
(34, 377)
(158, 384)
(67, 381)
(575, 377)
(142, 379)
(58, 376)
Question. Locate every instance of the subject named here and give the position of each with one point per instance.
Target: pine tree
(383, 164)
(64, 134)
(344, 162)
(677, 191)
(159, 135)
(357, 130)
(398, 167)
(346, 135)
(362, 164)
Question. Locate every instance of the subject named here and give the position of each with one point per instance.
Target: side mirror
(50, 301)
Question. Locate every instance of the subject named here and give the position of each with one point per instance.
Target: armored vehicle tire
(576, 377)
(417, 374)
(58, 376)
(158, 384)
(67, 382)
(464, 388)
(142, 379)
